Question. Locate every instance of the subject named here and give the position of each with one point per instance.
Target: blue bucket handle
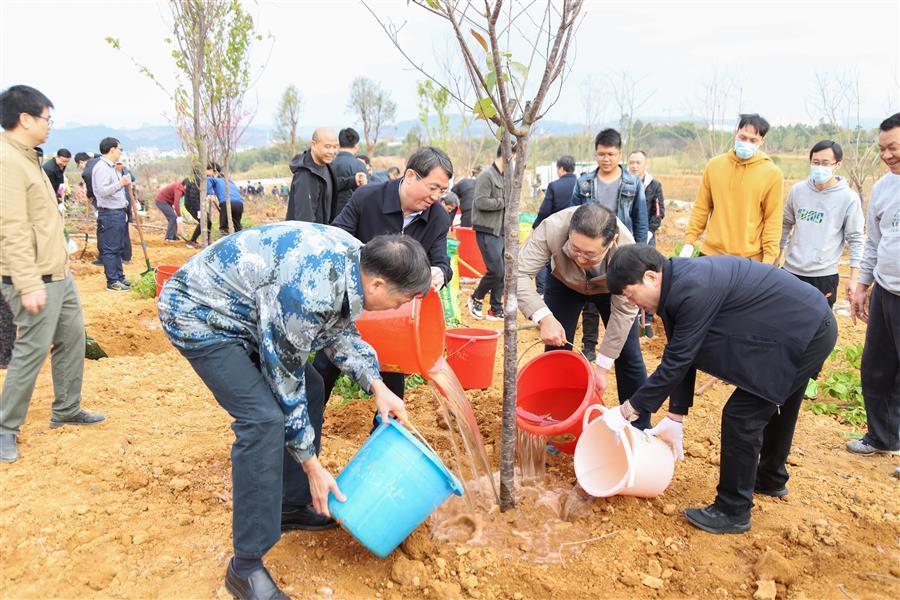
(416, 436)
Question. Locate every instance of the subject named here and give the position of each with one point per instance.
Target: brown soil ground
(139, 506)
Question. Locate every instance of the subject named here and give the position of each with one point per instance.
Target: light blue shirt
(108, 190)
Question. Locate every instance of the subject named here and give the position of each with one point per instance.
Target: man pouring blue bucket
(246, 313)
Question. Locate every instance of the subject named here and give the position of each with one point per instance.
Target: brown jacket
(32, 243)
(545, 243)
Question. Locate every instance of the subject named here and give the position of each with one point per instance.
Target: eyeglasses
(589, 257)
(48, 119)
(433, 188)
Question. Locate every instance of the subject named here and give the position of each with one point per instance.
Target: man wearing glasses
(615, 187)
(408, 205)
(820, 216)
(113, 209)
(579, 242)
(36, 281)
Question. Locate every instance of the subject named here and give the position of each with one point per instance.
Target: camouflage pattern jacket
(283, 291)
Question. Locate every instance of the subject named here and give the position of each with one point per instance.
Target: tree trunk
(228, 195)
(512, 183)
(198, 131)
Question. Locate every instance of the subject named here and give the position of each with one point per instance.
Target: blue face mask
(744, 150)
(821, 174)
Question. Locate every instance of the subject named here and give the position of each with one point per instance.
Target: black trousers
(491, 247)
(757, 434)
(880, 370)
(566, 304)
(330, 374)
(194, 211)
(237, 210)
(827, 284)
(264, 476)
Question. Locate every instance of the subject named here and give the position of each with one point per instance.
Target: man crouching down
(246, 313)
(748, 323)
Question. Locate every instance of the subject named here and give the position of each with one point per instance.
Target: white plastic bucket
(638, 465)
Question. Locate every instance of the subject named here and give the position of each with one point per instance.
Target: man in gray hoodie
(820, 216)
(880, 305)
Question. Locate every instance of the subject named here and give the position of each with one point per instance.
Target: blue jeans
(264, 476)
(112, 233)
(171, 219)
(566, 305)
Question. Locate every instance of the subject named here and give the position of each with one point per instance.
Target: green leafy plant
(842, 389)
(144, 286)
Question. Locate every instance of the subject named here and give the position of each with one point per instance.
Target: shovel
(137, 223)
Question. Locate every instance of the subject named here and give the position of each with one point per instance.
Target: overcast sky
(773, 48)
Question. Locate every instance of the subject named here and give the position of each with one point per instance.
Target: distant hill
(163, 137)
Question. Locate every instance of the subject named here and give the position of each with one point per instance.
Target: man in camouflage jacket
(246, 313)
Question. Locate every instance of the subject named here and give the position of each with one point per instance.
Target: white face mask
(821, 174)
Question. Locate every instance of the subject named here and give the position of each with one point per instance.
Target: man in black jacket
(747, 323)
(557, 198)
(347, 164)
(656, 212)
(409, 205)
(55, 169)
(465, 191)
(314, 187)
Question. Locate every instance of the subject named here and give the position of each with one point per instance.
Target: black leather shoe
(713, 520)
(774, 492)
(305, 518)
(258, 586)
(82, 417)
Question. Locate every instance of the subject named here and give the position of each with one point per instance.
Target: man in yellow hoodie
(739, 203)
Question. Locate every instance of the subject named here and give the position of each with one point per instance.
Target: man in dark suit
(557, 198)
(748, 323)
(409, 205)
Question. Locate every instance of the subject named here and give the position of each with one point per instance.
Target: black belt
(45, 278)
(124, 209)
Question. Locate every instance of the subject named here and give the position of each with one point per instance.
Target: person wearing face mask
(740, 201)
(579, 243)
(821, 215)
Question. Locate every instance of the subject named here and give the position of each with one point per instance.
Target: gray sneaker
(863, 448)
(118, 286)
(476, 307)
(9, 451)
(82, 417)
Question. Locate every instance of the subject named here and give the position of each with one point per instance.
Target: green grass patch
(840, 390)
(144, 286)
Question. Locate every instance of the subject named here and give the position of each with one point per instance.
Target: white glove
(649, 236)
(437, 278)
(672, 433)
(687, 251)
(615, 420)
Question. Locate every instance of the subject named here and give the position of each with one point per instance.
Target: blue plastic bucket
(392, 484)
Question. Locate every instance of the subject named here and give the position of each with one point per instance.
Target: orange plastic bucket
(471, 264)
(163, 272)
(554, 389)
(471, 353)
(409, 339)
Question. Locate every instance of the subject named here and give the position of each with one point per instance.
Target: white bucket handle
(624, 438)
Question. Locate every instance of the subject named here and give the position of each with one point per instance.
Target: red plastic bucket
(163, 272)
(471, 264)
(409, 339)
(471, 353)
(554, 389)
